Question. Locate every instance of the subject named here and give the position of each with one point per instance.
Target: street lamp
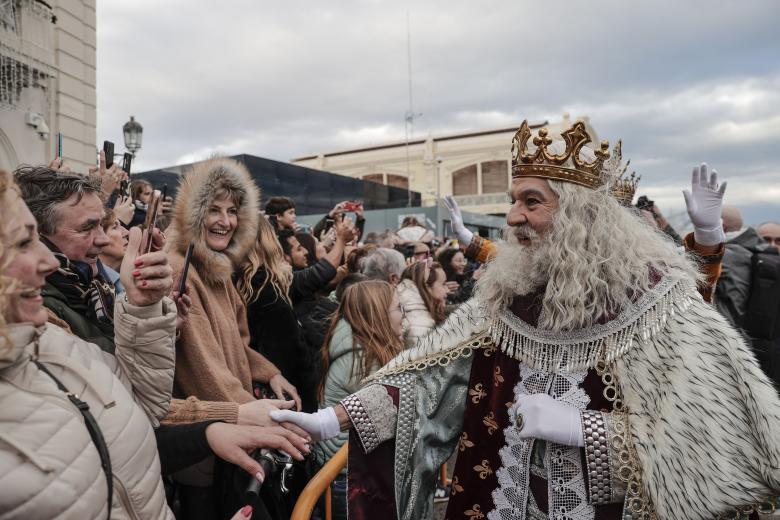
(133, 135)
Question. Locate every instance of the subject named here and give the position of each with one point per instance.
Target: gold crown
(623, 187)
(568, 166)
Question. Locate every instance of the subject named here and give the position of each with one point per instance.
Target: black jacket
(275, 333)
(733, 292)
(309, 281)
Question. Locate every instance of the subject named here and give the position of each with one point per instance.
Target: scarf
(91, 295)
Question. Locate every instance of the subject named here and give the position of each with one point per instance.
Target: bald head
(732, 218)
(770, 232)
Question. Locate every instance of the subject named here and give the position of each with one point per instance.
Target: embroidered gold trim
(442, 359)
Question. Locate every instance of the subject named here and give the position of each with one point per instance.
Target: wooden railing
(318, 484)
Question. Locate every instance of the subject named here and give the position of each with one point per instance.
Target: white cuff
(329, 423)
(709, 237)
(464, 236)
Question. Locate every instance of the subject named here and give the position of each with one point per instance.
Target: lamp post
(133, 135)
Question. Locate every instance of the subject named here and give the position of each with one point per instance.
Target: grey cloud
(282, 80)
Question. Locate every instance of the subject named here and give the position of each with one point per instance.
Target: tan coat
(214, 365)
(49, 466)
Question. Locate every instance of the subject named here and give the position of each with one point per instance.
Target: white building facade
(47, 82)
(474, 167)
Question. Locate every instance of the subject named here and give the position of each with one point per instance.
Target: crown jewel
(622, 186)
(569, 165)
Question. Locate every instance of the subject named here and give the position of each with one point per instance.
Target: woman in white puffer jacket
(422, 295)
(50, 467)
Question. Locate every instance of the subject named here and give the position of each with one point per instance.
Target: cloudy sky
(680, 82)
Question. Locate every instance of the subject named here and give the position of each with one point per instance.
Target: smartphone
(351, 205)
(151, 218)
(59, 144)
(108, 150)
(185, 270)
(127, 162)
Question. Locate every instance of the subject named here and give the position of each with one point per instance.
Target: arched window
(495, 177)
(399, 181)
(374, 177)
(464, 181)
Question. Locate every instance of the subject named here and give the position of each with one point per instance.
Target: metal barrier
(318, 484)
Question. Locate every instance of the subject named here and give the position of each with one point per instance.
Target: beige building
(47, 81)
(473, 166)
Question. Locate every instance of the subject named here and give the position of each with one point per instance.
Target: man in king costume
(586, 380)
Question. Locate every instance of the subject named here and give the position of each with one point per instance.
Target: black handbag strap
(94, 432)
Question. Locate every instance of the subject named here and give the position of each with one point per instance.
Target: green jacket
(100, 334)
(339, 383)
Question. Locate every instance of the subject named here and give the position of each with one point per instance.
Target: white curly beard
(516, 270)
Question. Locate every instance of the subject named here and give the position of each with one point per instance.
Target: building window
(374, 177)
(464, 181)
(494, 177)
(399, 181)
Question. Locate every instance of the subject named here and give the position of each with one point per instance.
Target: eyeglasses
(772, 240)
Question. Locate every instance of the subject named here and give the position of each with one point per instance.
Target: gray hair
(382, 262)
(593, 262)
(45, 189)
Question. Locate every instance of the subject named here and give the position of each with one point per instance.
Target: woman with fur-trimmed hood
(217, 211)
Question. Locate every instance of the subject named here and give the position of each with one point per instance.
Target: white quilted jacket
(49, 466)
(418, 322)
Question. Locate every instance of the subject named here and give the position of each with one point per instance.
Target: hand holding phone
(151, 219)
(108, 150)
(185, 270)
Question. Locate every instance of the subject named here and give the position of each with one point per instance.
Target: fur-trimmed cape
(196, 194)
(704, 419)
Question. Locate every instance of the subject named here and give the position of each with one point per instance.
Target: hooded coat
(213, 359)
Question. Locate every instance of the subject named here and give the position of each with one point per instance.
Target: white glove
(463, 234)
(704, 202)
(321, 425)
(545, 418)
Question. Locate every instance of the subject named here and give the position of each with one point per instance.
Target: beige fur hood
(195, 195)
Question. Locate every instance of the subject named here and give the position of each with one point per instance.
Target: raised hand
(147, 278)
(124, 209)
(704, 203)
(463, 234)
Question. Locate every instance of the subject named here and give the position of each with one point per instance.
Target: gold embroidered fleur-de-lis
(490, 421)
(477, 393)
(465, 442)
(488, 351)
(483, 469)
(456, 487)
(474, 513)
(497, 377)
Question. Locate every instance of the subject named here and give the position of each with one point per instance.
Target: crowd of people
(151, 345)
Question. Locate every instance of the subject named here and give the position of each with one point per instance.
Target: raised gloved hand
(463, 234)
(321, 425)
(705, 202)
(539, 416)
